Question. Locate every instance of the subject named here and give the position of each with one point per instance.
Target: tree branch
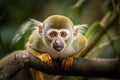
(18, 60)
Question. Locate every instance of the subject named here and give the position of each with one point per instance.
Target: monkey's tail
(37, 75)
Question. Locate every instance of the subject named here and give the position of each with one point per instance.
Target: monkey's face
(57, 31)
(58, 38)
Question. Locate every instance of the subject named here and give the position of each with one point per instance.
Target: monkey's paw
(45, 59)
(67, 63)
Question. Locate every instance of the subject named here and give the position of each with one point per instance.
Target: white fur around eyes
(65, 30)
(59, 32)
(49, 31)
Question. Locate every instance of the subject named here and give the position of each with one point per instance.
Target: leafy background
(13, 13)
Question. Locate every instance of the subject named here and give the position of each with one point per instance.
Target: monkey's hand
(45, 59)
(67, 62)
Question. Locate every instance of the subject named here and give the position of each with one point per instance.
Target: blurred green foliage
(13, 13)
(21, 36)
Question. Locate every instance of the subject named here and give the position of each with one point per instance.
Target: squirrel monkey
(56, 38)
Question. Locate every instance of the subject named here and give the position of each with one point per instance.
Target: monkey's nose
(58, 45)
(58, 41)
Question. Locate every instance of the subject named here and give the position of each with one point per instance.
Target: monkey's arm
(79, 44)
(33, 47)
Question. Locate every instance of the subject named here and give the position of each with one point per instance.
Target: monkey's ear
(38, 24)
(80, 29)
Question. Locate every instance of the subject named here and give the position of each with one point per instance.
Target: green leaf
(92, 30)
(21, 35)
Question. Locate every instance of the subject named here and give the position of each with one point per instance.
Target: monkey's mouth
(58, 48)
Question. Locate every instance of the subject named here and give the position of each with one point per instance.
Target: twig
(111, 44)
(103, 45)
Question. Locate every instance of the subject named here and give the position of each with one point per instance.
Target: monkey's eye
(53, 34)
(63, 34)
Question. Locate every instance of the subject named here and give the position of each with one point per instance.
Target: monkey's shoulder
(79, 42)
